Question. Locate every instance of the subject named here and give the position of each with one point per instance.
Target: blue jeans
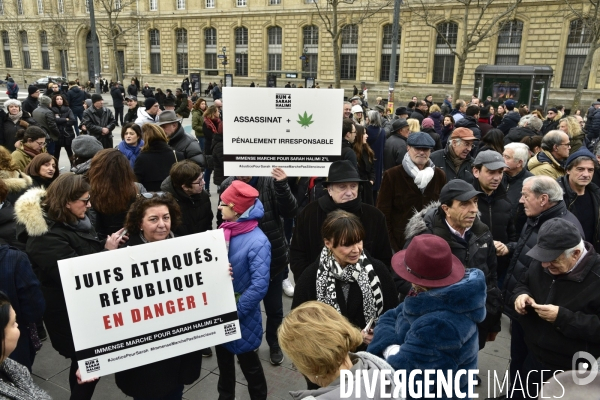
(78, 112)
(176, 394)
(273, 303)
(201, 141)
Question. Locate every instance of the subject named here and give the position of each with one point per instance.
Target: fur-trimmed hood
(16, 181)
(421, 221)
(29, 212)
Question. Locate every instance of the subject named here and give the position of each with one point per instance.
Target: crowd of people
(435, 222)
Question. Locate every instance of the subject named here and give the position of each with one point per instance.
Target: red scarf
(232, 229)
(211, 124)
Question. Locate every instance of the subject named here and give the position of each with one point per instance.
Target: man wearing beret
(455, 160)
(454, 219)
(409, 187)
(99, 121)
(558, 301)
(150, 112)
(581, 196)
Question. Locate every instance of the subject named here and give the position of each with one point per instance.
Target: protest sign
(299, 130)
(141, 304)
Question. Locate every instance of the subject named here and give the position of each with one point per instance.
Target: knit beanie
(239, 196)
(96, 97)
(86, 146)
(150, 101)
(88, 103)
(32, 89)
(427, 123)
(583, 152)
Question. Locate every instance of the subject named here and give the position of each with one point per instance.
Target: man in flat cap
(559, 303)
(395, 146)
(454, 218)
(409, 187)
(455, 160)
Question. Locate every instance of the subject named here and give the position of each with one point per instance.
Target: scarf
(144, 240)
(232, 229)
(82, 225)
(362, 273)
(29, 151)
(422, 177)
(456, 160)
(352, 206)
(16, 117)
(211, 124)
(131, 152)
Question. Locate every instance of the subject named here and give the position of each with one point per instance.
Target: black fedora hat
(342, 171)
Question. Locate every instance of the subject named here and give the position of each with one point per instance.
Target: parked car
(42, 83)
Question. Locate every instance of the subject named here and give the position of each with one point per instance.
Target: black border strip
(280, 158)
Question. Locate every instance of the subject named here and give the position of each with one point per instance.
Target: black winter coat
(352, 309)
(152, 166)
(217, 159)
(279, 203)
(418, 115)
(307, 242)
(132, 90)
(8, 226)
(549, 125)
(117, 96)
(517, 134)
(442, 160)
(394, 151)
(208, 135)
(30, 104)
(510, 120)
(131, 115)
(519, 263)
(9, 130)
(577, 325)
(513, 185)
(349, 154)
(592, 124)
(147, 92)
(196, 211)
(188, 146)
(94, 123)
(65, 122)
(181, 106)
(75, 98)
(470, 123)
(570, 196)
(434, 135)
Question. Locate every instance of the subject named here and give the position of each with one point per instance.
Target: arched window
(154, 35)
(578, 45)
(44, 47)
(210, 48)
(443, 61)
(386, 53)
(241, 51)
(349, 52)
(25, 48)
(310, 35)
(509, 43)
(182, 50)
(274, 48)
(6, 47)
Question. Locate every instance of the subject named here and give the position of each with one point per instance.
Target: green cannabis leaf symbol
(305, 120)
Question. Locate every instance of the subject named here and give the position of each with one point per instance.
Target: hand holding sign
(278, 174)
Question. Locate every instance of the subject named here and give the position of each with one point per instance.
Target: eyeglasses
(565, 144)
(86, 201)
(149, 195)
(200, 182)
(41, 144)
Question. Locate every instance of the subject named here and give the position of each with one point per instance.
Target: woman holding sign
(151, 218)
(250, 257)
(55, 226)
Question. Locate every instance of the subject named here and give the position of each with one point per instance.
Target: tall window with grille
(386, 54)
(25, 50)
(1, 7)
(182, 50)
(20, 9)
(60, 6)
(240, 3)
(45, 53)
(509, 43)
(578, 45)
(181, 4)
(274, 34)
(40, 7)
(241, 51)
(210, 48)
(210, 3)
(153, 5)
(6, 47)
(154, 51)
(87, 6)
(443, 60)
(349, 52)
(274, 2)
(310, 36)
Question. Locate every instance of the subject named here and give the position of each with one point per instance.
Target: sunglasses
(149, 195)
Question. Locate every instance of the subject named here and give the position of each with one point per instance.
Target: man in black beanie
(149, 114)
(99, 121)
(31, 102)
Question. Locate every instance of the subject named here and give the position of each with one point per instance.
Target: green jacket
(197, 122)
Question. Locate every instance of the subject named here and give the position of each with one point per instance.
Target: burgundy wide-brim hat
(429, 262)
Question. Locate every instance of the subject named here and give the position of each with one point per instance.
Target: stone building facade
(174, 37)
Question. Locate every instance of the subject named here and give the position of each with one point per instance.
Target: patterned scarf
(362, 272)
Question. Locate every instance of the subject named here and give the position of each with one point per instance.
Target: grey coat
(23, 387)
(47, 121)
(188, 145)
(394, 151)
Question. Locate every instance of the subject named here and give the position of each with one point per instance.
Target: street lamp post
(224, 50)
(95, 48)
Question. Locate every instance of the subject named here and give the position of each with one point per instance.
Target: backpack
(190, 104)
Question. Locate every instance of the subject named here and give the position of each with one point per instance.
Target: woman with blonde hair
(153, 164)
(16, 181)
(435, 113)
(571, 127)
(414, 125)
(320, 342)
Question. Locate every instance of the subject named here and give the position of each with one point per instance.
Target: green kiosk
(526, 84)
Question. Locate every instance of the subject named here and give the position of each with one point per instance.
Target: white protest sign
(299, 130)
(141, 304)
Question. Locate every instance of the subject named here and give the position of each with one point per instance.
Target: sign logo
(305, 120)
(229, 329)
(92, 365)
(584, 368)
(283, 100)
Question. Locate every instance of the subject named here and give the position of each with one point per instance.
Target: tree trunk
(584, 75)
(117, 60)
(460, 73)
(336, 64)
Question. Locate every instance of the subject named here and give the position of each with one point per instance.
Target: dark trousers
(176, 394)
(50, 146)
(78, 112)
(518, 350)
(106, 140)
(80, 392)
(207, 174)
(58, 147)
(251, 368)
(119, 115)
(273, 303)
